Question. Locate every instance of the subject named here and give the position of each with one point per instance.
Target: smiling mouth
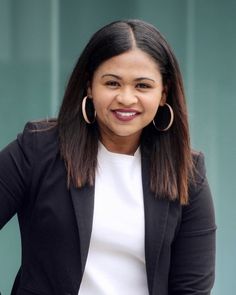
(125, 115)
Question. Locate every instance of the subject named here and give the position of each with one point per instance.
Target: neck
(121, 145)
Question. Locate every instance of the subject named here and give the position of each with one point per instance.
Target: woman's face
(126, 91)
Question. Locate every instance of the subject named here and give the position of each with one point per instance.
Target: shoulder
(38, 134)
(198, 174)
(34, 136)
(44, 128)
(37, 141)
(199, 168)
(200, 208)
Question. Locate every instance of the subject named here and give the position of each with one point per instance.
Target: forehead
(135, 60)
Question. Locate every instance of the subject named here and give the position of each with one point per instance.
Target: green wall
(40, 41)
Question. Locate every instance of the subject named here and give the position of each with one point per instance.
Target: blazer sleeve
(193, 251)
(16, 162)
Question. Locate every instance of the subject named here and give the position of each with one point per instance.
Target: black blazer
(56, 223)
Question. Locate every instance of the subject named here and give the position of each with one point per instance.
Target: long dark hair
(170, 154)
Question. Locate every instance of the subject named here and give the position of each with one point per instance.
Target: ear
(89, 90)
(163, 97)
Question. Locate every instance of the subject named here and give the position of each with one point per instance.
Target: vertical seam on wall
(54, 99)
(190, 67)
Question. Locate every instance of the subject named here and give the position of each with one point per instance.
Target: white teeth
(126, 114)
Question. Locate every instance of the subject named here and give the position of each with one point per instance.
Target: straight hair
(171, 165)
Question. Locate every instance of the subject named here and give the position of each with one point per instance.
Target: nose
(127, 97)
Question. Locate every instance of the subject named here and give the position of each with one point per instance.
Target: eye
(112, 84)
(143, 86)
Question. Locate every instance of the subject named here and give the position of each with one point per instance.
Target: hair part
(170, 154)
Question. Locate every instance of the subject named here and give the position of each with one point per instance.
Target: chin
(123, 133)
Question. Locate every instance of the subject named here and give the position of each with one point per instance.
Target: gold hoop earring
(88, 110)
(164, 113)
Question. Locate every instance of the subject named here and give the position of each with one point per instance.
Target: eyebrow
(119, 78)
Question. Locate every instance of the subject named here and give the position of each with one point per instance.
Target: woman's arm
(193, 251)
(15, 174)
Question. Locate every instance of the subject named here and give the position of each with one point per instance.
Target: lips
(126, 114)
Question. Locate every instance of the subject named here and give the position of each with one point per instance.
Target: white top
(116, 260)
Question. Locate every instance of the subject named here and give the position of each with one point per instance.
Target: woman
(110, 198)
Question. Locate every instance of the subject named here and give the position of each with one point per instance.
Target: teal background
(40, 41)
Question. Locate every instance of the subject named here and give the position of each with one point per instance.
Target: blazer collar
(156, 214)
(83, 202)
(155, 211)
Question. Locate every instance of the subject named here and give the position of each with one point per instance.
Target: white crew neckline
(117, 155)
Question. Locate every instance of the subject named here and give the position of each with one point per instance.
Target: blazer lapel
(156, 214)
(83, 202)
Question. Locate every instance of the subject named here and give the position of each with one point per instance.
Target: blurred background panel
(40, 42)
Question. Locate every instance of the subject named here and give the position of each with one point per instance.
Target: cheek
(101, 106)
(102, 101)
(153, 105)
